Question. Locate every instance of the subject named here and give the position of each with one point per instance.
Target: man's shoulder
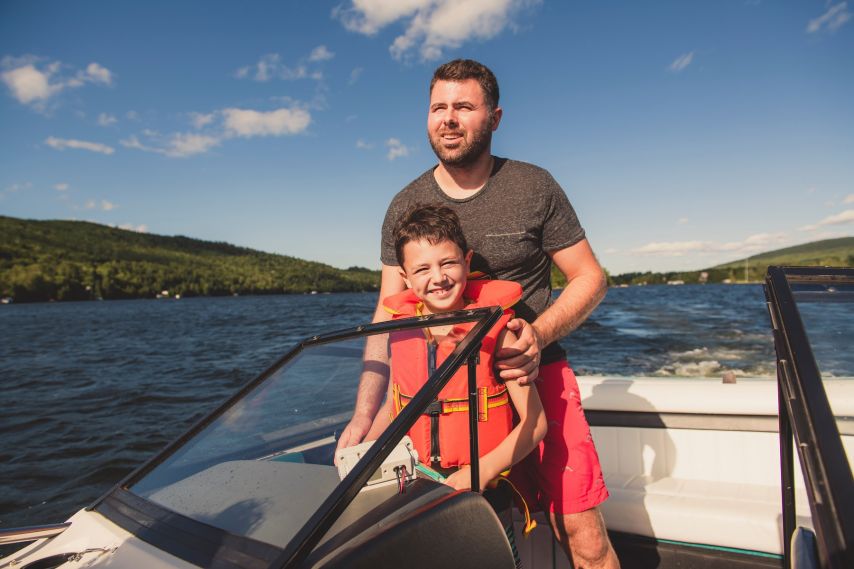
(420, 184)
(518, 166)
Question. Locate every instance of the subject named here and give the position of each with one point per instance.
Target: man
(518, 221)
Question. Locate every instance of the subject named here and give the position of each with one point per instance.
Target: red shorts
(563, 474)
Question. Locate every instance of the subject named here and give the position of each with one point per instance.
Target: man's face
(460, 123)
(436, 273)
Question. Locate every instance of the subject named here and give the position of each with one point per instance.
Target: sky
(685, 133)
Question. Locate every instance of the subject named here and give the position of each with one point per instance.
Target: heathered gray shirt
(519, 216)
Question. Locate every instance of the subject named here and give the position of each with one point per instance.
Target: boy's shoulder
(492, 292)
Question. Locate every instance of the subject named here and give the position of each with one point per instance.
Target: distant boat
(676, 282)
(6, 300)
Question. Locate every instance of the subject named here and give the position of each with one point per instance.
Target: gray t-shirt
(519, 216)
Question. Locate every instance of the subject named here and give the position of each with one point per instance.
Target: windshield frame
(200, 543)
(806, 418)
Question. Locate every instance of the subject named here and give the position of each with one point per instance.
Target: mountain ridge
(837, 252)
(78, 260)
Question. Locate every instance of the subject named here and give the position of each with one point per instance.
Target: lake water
(93, 389)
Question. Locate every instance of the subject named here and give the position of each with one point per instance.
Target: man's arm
(585, 289)
(374, 380)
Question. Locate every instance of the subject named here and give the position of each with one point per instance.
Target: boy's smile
(436, 273)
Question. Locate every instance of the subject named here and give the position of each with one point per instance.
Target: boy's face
(436, 274)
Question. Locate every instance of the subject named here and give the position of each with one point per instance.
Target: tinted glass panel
(827, 312)
(263, 466)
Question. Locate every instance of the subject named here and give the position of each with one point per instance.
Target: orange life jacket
(440, 435)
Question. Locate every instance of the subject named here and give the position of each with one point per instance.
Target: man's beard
(466, 153)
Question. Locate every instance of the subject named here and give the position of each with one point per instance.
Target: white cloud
(247, 123)
(104, 205)
(841, 218)
(682, 221)
(220, 126)
(396, 149)
(178, 145)
(832, 20)
(270, 67)
(681, 62)
(320, 53)
(133, 142)
(132, 115)
(142, 228)
(362, 145)
(355, 74)
(33, 83)
(200, 120)
(98, 74)
(675, 248)
(106, 120)
(63, 143)
(61, 187)
(752, 244)
(432, 25)
(848, 199)
(188, 144)
(12, 188)
(28, 84)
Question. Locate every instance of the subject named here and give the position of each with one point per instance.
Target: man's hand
(520, 360)
(354, 432)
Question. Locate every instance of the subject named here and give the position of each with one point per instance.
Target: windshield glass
(827, 312)
(265, 464)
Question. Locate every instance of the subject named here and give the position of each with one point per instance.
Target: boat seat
(696, 460)
(723, 514)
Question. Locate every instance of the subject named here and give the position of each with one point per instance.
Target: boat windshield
(263, 464)
(827, 313)
(812, 314)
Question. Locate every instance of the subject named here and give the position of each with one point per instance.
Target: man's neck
(465, 181)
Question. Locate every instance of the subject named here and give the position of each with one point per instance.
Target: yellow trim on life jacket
(457, 405)
(521, 503)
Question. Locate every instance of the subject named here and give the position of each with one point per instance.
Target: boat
(701, 473)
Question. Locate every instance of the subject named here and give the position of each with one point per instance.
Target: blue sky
(686, 134)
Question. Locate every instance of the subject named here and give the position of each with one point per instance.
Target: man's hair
(463, 69)
(433, 223)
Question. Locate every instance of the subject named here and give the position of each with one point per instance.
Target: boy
(434, 263)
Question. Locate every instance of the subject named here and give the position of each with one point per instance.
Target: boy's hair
(433, 223)
(463, 69)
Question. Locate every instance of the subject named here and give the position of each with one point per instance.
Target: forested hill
(829, 252)
(77, 260)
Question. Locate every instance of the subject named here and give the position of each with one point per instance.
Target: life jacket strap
(521, 503)
(446, 406)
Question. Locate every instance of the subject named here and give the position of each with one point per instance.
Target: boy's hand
(461, 479)
(520, 360)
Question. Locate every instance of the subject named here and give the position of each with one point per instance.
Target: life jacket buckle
(434, 409)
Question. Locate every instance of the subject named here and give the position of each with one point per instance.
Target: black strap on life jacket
(434, 409)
